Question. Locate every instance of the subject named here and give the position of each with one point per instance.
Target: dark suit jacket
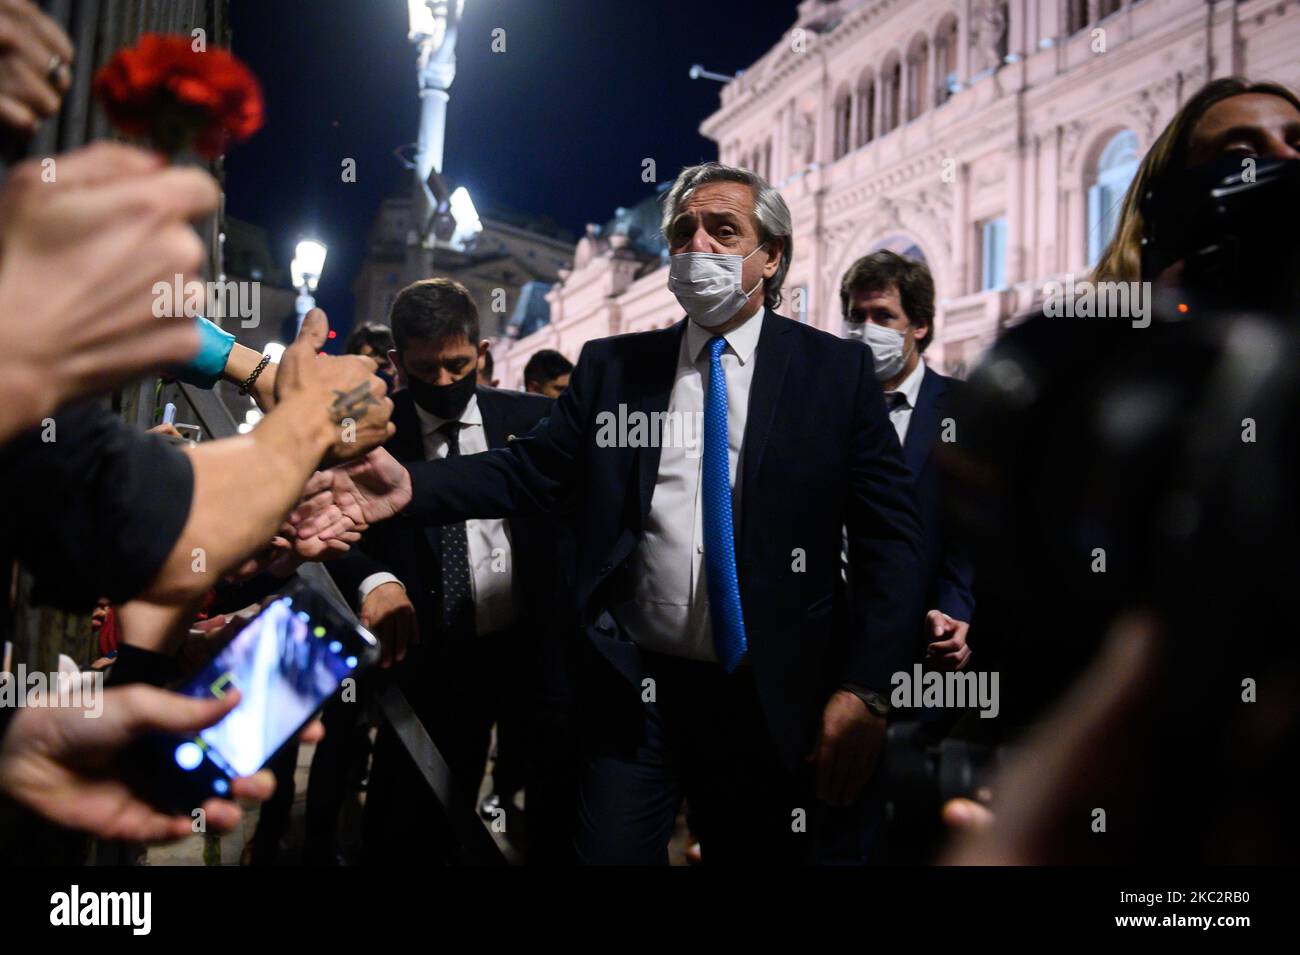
(819, 455)
(947, 568)
(542, 561)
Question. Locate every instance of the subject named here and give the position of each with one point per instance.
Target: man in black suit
(479, 599)
(709, 468)
(888, 302)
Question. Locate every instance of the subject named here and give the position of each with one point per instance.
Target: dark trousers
(703, 738)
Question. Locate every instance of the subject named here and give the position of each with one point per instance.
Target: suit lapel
(407, 444)
(773, 357)
(923, 429)
(657, 374)
(495, 427)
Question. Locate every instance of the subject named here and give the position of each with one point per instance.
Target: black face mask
(443, 401)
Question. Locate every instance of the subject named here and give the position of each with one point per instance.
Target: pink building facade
(992, 138)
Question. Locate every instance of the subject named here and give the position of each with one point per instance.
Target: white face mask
(888, 347)
(708, 285)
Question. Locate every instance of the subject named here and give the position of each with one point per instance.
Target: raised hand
(346, 386)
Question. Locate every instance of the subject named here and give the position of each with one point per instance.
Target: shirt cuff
(373, 581)
(205, 369)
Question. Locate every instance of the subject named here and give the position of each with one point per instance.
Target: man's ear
(775, 249)
(483, 348)
(395, 360)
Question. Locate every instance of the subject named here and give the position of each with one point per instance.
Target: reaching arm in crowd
(534, 474)
(102, 510)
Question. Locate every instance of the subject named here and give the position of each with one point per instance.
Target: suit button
(605, 569)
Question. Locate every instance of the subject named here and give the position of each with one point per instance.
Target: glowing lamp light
(308, 264)
(468, 224)
(423, 22)
(428, 18)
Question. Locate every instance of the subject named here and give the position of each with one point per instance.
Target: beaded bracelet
(251, 379)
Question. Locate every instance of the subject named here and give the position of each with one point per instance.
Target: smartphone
(286, 663)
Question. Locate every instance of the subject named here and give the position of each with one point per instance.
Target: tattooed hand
(343, 392)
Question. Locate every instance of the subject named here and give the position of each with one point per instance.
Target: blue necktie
(719, 537)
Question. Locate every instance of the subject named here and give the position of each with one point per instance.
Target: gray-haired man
(710, 468)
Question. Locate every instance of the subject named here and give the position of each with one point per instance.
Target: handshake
(340, 503)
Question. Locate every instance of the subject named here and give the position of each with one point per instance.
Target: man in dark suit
(888, 302)
(480, 599)
(709, 468)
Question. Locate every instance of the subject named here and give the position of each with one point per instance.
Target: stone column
(959, 230)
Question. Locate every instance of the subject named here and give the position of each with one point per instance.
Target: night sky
(558, 125)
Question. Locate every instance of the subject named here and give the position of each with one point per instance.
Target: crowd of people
(685, 569)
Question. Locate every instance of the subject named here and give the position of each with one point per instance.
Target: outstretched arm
(533, 474)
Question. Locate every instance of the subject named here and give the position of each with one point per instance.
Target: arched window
(918, 78)
(1115, 170)
(1076, 15)
(892, 79)
(866, 97)
(843, 120)
(1004, 38)
(945, 60)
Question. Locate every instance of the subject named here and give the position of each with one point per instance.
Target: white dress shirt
(909, 388)
(669, 611)
(490, 558)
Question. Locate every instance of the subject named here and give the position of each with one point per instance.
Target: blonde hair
(1121, 261)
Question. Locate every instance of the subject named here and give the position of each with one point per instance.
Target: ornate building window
(891, 80)
(990, 29)
(866, 97)
(918, 77)
(993, 254)
(1115, 170)
(945, 60)
(1076, 15)
(843, 123)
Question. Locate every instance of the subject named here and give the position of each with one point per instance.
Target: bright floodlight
(468, 224)
(429, 18)
(308, 263)
(423, 22)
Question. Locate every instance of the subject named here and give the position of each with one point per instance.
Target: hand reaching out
(348, 499)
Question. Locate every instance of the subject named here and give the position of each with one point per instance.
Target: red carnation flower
(164, 90)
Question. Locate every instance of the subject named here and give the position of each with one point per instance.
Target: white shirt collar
(911, 385)
(742, 340)
(470, 416)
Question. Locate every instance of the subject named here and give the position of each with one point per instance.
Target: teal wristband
(204, 370)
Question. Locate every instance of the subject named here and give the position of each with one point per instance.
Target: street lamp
(434, 26)
(306, 268)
